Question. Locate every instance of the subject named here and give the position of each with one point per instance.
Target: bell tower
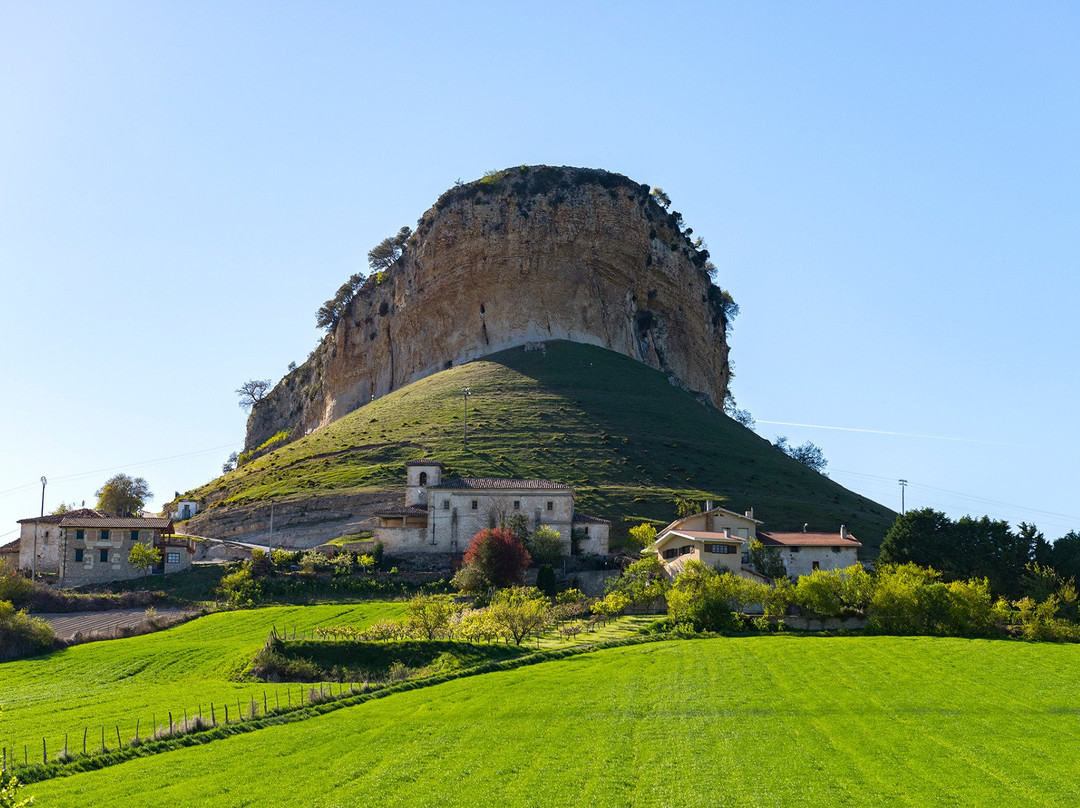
(421, 475)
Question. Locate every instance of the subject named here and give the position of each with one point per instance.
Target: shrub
(495, 558)
(643, 582)
(240, 588)
(544, 545)
(13, 587)
(429, 616)
(702, 599)
(519, 612)
(545, 580)
(22, 635)
(641, 537)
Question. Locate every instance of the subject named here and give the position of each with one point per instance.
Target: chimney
(727, 532)
(843, 531)
(805, 525)
(708, 504)
(750, 513)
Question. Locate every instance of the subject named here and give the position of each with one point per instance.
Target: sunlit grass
(763, 721)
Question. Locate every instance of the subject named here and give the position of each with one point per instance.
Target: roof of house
(119, 522)
(424, 463)
(698, 535)
(11, 547)
(585, 519)
(410, 510)
(57, 518)
(500, 483)
(807, 540)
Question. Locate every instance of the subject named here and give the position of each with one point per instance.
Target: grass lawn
(119, 681)
(757, 721)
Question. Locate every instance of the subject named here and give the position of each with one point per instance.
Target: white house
(185, 509)
(803, 553)
(442, 516)
(717, 537)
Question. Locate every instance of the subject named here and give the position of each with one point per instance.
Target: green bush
(14, 587)
(22, 635)
(701, 599)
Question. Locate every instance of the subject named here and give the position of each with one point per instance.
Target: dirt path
(66, 625)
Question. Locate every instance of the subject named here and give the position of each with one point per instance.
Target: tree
(924, 537)
(430, 615)
(544, 545)
(641, 537)
(732, 411)
(519, 611)
(383, 255)
(702, 598)
(64, 507)
(144, 556)
(495, 558)
(685, 507)
(1065, 557)
(660, 197)
(518, 524)
(766, 560)
(252, 392)
(123, 495)
(808, 454)
(545, 580)
(230, 464)
(642, 582)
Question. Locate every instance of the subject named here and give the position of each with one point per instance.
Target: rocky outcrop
(521, 256)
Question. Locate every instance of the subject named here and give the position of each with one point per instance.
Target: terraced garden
(763, 721)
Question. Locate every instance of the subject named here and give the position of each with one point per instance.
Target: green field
(618, 431)
(121, 681)
(761, 721)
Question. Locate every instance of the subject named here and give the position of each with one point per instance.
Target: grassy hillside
(119, 681)
(764, 721)
(615, 429)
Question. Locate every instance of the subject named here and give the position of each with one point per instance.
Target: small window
(103, 554)
(685, 549)
(816, 565)
(80, 535)
(517, 504)
(172, 558)
(78, 555)
(551, 505)
(104, 536)
(672, 553)
(446, 504)
(134, 535)
(586, 530)
(423, 478)
(474, 504)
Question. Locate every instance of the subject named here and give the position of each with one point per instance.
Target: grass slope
(119, 681)
(615, 429)
(764, 721)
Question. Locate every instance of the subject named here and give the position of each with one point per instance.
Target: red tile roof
(807, 540)
(500, 483)
(120, 522)
(57, 518)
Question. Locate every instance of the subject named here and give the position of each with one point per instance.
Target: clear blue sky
(890, 192)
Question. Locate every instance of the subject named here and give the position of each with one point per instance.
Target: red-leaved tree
(495, 558)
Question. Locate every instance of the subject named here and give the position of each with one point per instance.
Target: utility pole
(270, 543)
(903, 486)
(465, 393)
(33, 560)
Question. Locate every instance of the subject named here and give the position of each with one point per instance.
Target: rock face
(525, 255)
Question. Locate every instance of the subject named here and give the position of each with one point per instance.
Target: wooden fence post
(213, 718)
(44, 753)
(170, 722)
(84, 739)
(136, 730)
(226, 713)
(103, 749)
(119, 743)
(264, 702)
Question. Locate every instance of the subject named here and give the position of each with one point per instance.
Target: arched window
(423, 478)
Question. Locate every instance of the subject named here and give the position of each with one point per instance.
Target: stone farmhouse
(442, 516)
(805, 552)
(95, 549)
(721, 538)
(39, 540)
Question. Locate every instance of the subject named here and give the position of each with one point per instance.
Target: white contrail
(897, 434)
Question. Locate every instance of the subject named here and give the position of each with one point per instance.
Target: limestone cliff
(524, 255)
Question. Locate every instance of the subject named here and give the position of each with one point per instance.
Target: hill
(626, 437)
(764, 721)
